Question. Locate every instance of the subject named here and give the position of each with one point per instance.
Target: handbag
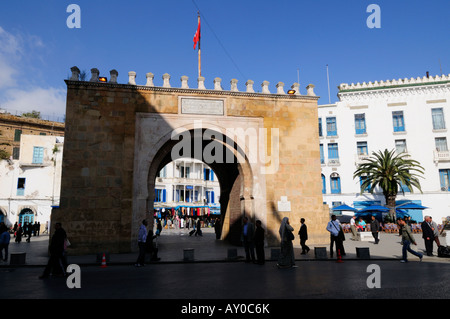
(290, 235)
(340, 235)
(66, 243)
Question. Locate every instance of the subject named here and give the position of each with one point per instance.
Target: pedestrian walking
(353, 228)
(428, 235)
(29, 231)
(152, 247)
(218, 228)
(259, 243)
(158, 227)
(407, 240)
(19, 232)
(198, 228)
(286, 259)
(57, 264)
(303, 233)
(247, 238)
(375, 229)
(5, 238)
(336, 236)
(142, 239)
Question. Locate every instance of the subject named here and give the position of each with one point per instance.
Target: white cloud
(49, 101)
(9, 56)
(16, 93)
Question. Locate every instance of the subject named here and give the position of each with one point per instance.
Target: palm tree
(390, 172)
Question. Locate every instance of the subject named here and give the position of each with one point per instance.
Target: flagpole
(199, 54)
(328, 80)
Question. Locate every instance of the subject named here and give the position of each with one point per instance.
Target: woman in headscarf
(286, 259)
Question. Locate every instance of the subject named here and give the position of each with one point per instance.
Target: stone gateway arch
(263, 147)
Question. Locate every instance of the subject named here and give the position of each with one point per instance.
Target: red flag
(197, 34)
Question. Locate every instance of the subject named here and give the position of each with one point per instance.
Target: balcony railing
(441, 156)
(359, 158)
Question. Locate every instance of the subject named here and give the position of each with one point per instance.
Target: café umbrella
(372, 210)
(346, 208)
(411, 206)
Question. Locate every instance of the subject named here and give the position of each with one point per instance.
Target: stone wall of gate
(98, 208)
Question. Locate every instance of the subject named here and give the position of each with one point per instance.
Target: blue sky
(257, 40)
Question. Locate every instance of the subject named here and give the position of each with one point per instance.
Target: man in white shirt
(353, 228)
(334, 226)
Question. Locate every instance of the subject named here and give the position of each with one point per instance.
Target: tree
(33, 114)
(390, 172)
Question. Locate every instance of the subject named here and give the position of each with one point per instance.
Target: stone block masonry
(118, 136)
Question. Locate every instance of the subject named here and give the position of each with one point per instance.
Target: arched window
(335, 183)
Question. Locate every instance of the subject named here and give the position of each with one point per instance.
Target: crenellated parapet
(217, 84)
(442, 79)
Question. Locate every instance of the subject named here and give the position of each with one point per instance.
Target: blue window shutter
(399, 124)
(322, 158)
(324, 187)
(333, 152)
(444, 175)
(204, 174)
(331, 126)
(164, 195)
(212, 197)
(38, 155)
(360, 123)
(320, 126)
(335, 183)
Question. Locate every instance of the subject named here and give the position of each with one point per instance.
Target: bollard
(320, 252)
(17, 258)
(232, 253)
(188, 254)
(363, 252)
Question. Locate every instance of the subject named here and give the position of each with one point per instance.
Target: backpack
(443, 251)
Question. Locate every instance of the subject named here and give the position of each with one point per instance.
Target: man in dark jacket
(428, 235)
(57, 263)
(375, 228)
(303, 233)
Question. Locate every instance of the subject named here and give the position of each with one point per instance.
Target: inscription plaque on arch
(202, 106)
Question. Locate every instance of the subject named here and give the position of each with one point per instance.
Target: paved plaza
(173, 242)
(213, 279)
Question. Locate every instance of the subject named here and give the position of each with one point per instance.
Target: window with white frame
(441, 144)
(437, 116)
(398, 121)
(360, 123)
(400, 146)
(331, 126)
(361, 148)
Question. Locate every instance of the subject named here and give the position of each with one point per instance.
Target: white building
(30, 185)
(187, 183)
(409, 115)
